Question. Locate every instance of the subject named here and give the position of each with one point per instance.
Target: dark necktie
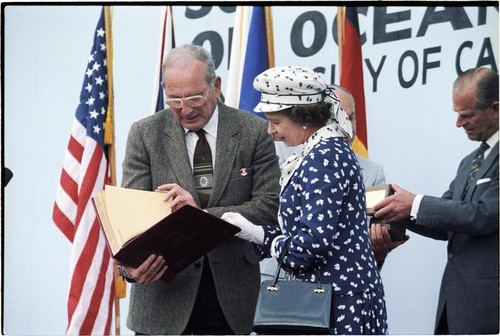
(476, 164)
(202, 168)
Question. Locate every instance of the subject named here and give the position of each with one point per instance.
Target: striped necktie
(202, 168)
(476, 164)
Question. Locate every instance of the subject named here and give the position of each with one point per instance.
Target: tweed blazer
(469, 287)
(156, 154)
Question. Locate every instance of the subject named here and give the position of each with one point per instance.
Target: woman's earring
(304, 127)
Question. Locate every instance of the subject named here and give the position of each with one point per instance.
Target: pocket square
(484, 180)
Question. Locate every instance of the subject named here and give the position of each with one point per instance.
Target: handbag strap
(280, 265)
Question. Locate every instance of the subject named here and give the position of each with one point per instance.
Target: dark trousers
(207, 317)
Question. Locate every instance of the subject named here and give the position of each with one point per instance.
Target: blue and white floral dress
(322, 211)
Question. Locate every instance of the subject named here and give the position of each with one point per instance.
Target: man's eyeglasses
(191, 101)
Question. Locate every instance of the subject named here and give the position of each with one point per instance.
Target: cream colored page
(134, 211)
(373, 197)
(106, 225)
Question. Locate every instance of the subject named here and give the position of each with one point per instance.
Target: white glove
(249, 231)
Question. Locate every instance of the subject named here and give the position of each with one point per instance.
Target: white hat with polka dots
(287, 86)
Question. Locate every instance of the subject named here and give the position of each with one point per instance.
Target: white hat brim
(270, 107)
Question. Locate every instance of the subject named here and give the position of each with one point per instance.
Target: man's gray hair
(190, 51)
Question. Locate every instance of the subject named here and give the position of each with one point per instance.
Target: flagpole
(340, 34)
(270, 36)
(109, 138)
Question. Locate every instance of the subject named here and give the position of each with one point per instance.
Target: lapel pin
(243, 172)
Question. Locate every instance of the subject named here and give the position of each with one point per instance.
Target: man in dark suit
(218, 293)
(466, 215)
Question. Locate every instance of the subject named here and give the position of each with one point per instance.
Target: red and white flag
(85, 171)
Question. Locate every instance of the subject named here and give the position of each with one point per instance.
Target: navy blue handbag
(293, 306)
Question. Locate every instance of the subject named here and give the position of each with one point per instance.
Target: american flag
(85, 172)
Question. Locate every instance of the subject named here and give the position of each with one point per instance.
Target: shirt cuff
(124, 275)
(415, 206)
(274, 245)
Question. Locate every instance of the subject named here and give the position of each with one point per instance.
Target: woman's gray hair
(194, 51)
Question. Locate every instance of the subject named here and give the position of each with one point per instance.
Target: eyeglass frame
(185, 100)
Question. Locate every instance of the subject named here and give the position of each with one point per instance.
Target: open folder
(139, 223)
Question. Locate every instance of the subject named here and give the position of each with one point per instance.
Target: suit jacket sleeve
(136, 166)
(476, 215)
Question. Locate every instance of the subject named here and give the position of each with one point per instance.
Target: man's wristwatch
(124, 275)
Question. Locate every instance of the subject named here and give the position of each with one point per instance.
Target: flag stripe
(75, 148)
(81, 272)
(97, 294)
(352, 75)
(63, 223)
(85, 172)
(70, 186)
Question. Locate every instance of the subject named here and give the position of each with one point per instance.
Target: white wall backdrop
(411, 129)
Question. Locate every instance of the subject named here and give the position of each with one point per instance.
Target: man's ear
(217, 86)
(494, 106)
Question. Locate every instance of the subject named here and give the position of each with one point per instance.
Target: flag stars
(93, 114)
(103, 110)
(103, 46)
(97, 129)
(99, 80)
(102, 96)
(90, 101)
(89, 72)
(89, 87)
(100, 32)
(96, 66)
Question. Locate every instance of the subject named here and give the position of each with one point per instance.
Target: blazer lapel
(483, 170)
(226, 149)
(487, 163)
(462, 176)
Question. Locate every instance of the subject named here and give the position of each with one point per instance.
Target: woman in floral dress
(322, 203)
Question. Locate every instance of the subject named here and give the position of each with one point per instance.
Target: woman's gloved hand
(249, 231)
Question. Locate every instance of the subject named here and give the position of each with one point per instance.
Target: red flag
(85, 172)
(351, 71)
